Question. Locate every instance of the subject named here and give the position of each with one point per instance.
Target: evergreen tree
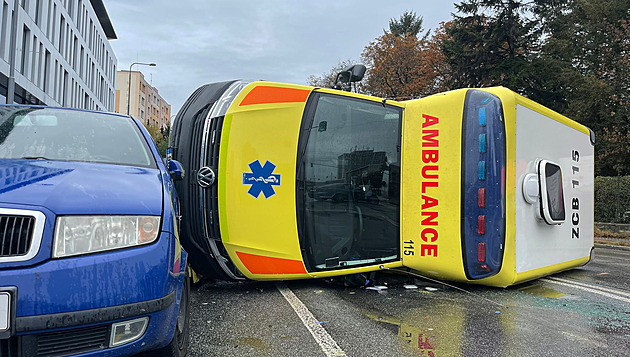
(489, 43)
(409, 24)
(588, 45)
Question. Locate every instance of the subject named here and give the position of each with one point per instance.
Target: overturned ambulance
(292, 182)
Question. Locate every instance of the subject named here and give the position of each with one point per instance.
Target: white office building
(56, 52)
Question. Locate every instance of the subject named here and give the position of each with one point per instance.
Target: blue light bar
(483, 182)
(482, 170)
(482, 116)
(482, 143)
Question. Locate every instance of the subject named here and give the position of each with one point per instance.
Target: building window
(40, 64)
(79, 14)
(34, 61)
(81, 60)
(64, 89)
(26, 37)
(38, 13)
(62, 26)
(46, 71)
(71, 8)
(4, 28)
(75, 49)
(51, 23)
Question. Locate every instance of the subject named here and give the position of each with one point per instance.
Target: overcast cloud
(195, 42)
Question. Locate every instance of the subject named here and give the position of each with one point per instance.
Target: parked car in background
(90, 258)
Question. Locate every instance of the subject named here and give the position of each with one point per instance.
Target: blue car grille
(57, 344)
(16, 235)
(73, 342)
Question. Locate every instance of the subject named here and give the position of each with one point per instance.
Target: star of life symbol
(261, 178)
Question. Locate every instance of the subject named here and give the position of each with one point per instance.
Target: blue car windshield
(71, 135)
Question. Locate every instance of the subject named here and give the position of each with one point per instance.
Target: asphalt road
(582, 312)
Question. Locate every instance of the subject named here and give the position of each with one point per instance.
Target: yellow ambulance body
(473, 185)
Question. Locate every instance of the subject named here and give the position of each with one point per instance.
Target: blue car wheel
(178, 347)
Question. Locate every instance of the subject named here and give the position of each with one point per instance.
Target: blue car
(90, 258)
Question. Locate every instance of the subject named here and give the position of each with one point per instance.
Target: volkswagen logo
(206, 177)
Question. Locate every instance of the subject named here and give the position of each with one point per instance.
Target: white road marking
(607, 292)
(328, 345)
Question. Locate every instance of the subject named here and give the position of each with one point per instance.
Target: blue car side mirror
(176, 169)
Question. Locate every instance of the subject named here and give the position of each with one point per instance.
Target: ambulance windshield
(349, 183)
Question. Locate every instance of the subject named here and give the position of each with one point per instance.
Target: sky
(195, 42)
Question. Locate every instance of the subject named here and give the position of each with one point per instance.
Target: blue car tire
(178, 347)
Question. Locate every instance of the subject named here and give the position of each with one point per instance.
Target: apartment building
(56, 52)
(144, 103)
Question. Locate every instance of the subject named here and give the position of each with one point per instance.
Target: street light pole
(129, 90)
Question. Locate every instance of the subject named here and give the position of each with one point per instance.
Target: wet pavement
(582, 312)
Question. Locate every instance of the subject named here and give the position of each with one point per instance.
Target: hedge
(612, 199)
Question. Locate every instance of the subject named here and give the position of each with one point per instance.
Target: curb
(603, 245)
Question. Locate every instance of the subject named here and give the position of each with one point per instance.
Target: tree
(159, 137)
(613, 156)
(489, 44)
(588, 43)
(409, 24)
(404, 66)
(592, 39)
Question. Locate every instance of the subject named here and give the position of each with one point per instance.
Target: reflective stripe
(258, 264)
(266, 95)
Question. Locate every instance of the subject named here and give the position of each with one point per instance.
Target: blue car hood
(81, 188)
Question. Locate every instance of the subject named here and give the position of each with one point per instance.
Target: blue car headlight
(76, 235)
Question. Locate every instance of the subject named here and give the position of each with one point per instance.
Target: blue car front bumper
(67, 306)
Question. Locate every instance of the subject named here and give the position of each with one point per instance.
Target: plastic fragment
(410, 286)
(430, 288)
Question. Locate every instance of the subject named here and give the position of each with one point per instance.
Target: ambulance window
(552, 195)
(348, 189)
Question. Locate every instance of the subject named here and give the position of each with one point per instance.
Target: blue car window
(70, 135)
